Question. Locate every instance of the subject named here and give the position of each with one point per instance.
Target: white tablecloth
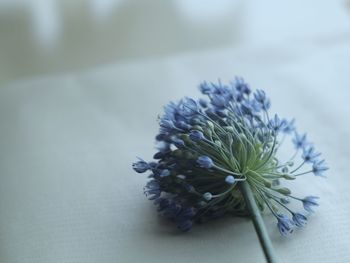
(67, 190)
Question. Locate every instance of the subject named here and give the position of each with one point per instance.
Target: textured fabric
(67, 191)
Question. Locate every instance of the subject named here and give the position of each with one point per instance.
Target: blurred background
(67, 190)
(40, 37)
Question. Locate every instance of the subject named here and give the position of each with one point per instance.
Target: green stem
(258, 222)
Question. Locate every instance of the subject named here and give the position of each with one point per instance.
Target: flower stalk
(259, 225)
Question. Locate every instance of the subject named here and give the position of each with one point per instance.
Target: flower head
(207, 147)
(262, 100)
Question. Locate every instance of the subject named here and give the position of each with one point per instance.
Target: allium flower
(209, 148)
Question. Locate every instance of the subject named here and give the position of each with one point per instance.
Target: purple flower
(309, 202)
(260, 96)
(196, 135)
(163, 146)
(310, 155)
(319, 167)
(242, 86)
(288, 126)
(276, 124)
(247, 109)
(167, 124)
(203, 103)
(152, 190)
(178, 142)
(205, 161)
(221, 113)
(299, 219)
(285, 225)
(300, 141)
(141, 166)
(183, 125)
(262, 100)
(219, 101)
(205, 88)
(188, 107)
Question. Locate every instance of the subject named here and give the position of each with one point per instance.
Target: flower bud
(207, 196)
(210, 125)
(230, 179)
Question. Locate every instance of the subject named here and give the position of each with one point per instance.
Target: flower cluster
(206, 147)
